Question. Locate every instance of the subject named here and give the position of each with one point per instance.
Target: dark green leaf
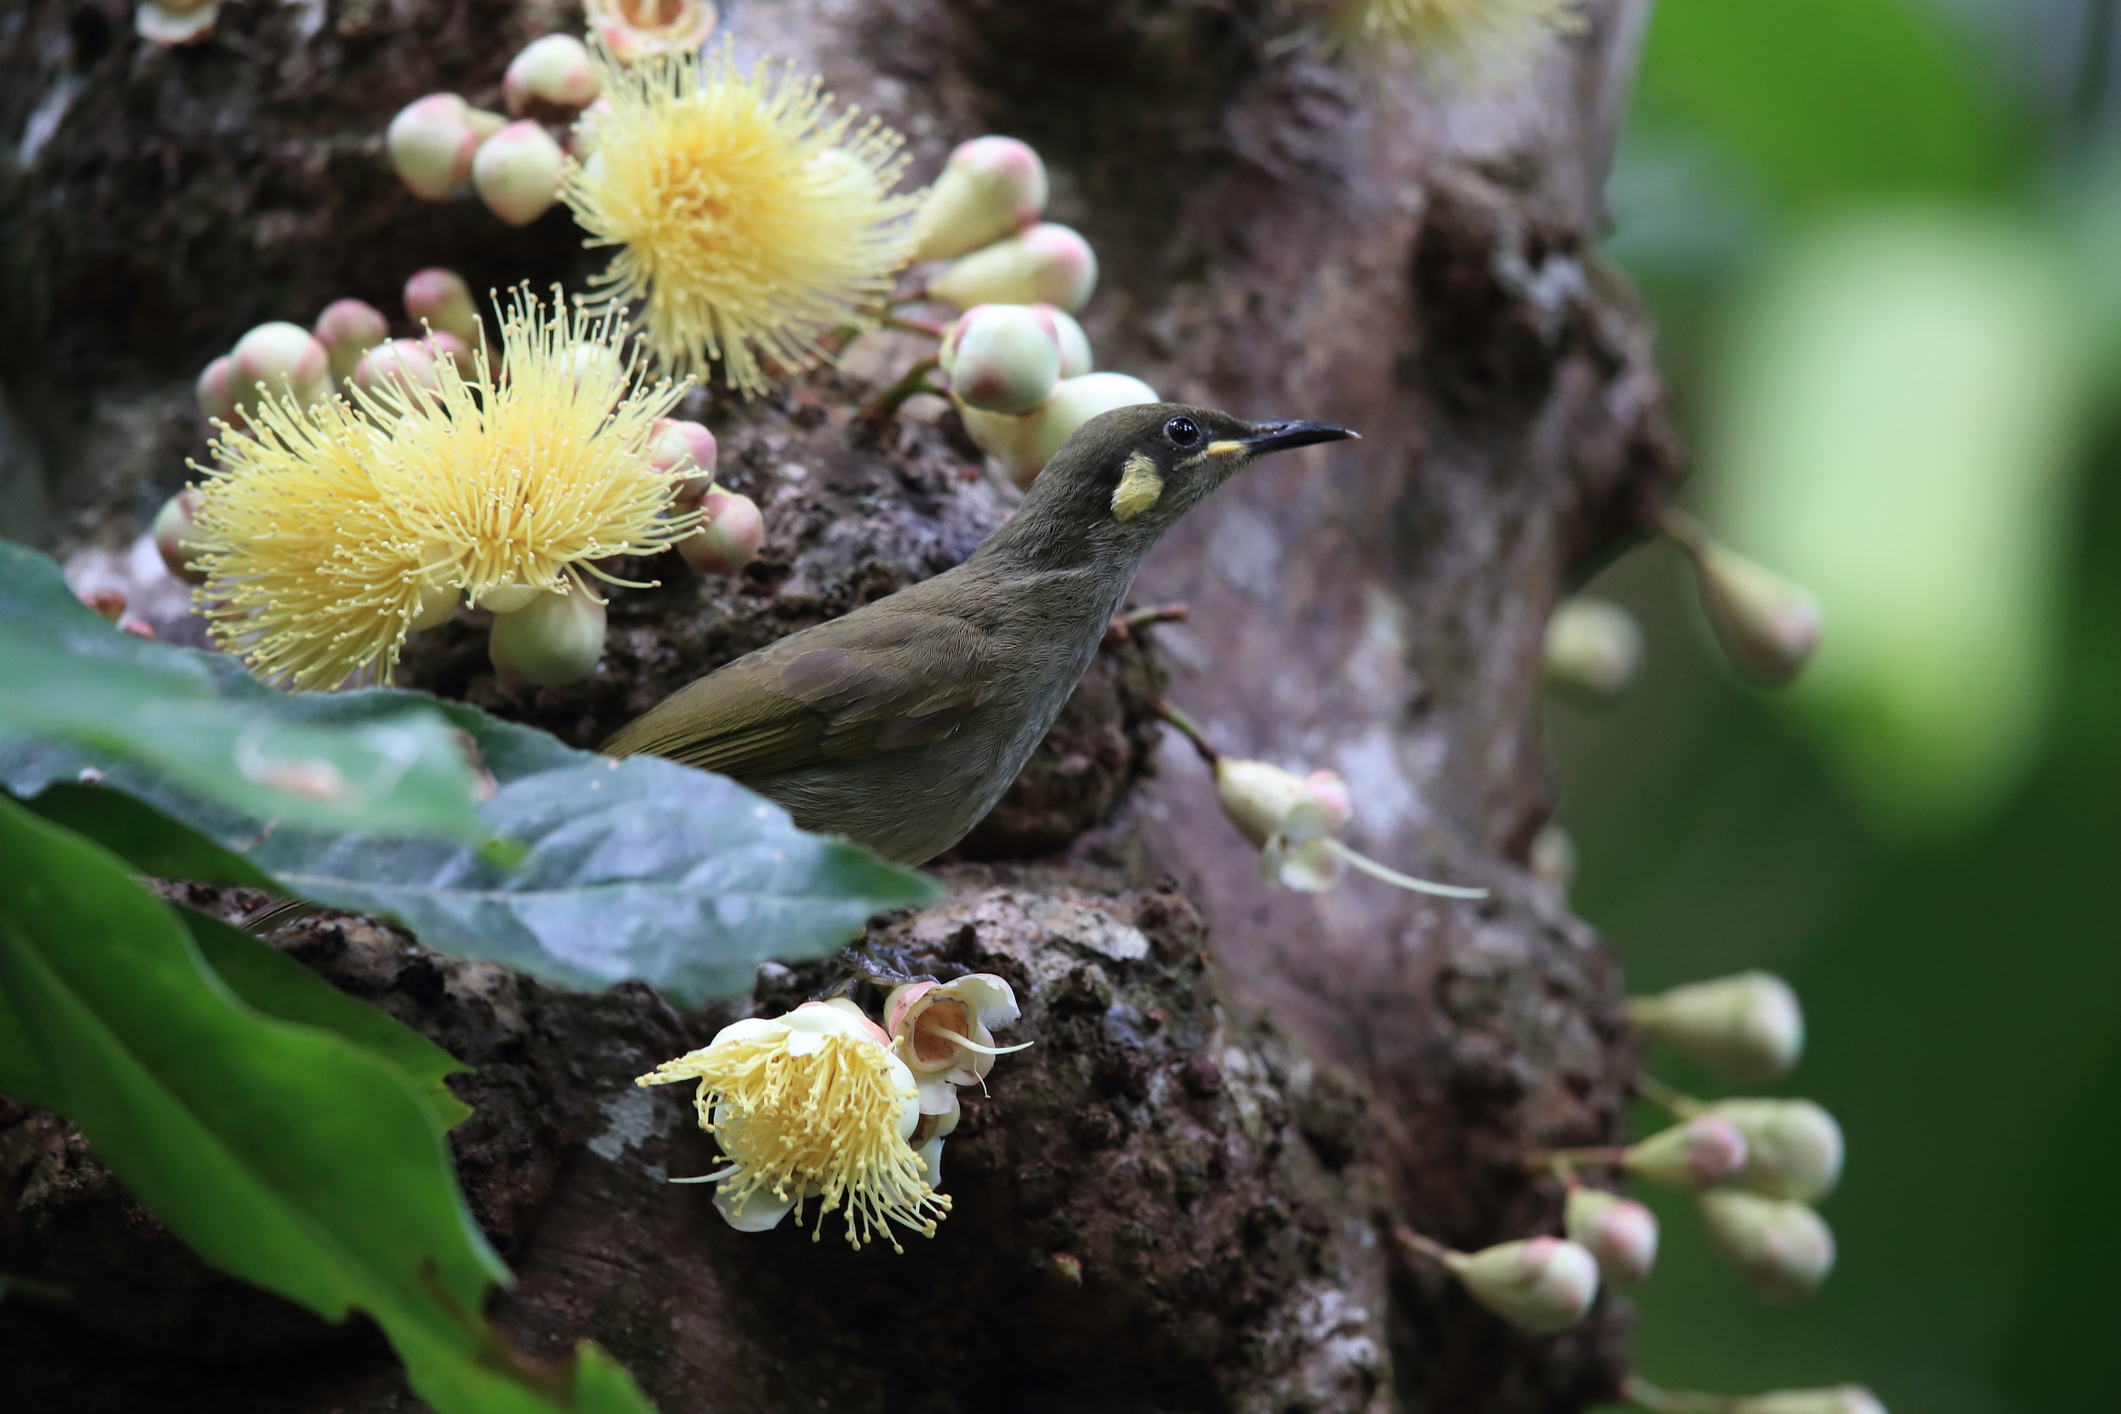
(279, 986)
(146, 838)
(282, 1153)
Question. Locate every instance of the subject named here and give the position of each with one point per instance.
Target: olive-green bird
(901, 724)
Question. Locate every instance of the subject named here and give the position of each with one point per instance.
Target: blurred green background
(1882, 239)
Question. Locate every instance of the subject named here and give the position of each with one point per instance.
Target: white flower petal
(760, 1212)
(1311, 868)
(991, 1000)
(752, 1028)
(931, 1156)
(938, 1095)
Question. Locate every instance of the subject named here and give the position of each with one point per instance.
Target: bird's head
(1126, 476)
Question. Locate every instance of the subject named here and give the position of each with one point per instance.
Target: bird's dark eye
(1183, 431)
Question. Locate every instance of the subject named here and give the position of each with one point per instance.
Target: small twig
(1562, 1162)
(910, 326)
(1413, 1241)
(1189, 729)
(1683, 530)
(884, 404)
(1665, 1097)
(1123, 626)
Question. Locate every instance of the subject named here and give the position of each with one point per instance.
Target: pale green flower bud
(1783, 1249)
(1620, 1233)
(1697, 1154)
(1047, 264)
(990, 187)
(215, 399)
(1542, 1284)
(1003, 359)
(517, 172)
(1767, 625)
(1025, 444)
(508, 598)
(1074, 344)
(285, 359)
(553, 640)
(432, 141)
(349, 328)
(1841, 1399)
(1747, 1026)
(678, 446)
(1793, 1148)
(555, 70)
(437, 603)
(1593, 648)
(442, 301)
(729, 540)
(172, 533)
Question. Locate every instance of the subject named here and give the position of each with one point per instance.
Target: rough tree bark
(1176, 1200)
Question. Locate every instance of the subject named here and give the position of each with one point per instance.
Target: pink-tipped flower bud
(1840, 1399)
(398, 365)
(109, 604)
(442, 301)
(349, 328)
(173, 22)
(729, 539)
(1793, 1148)
(1697, 1154)
(285, 359)
(1542, 1284)
(1620, 1233)
(990, 188)
(553, 640)
(1047, 264)
(216, 400)
(1074, 344)
(1003, 358)
(1593, 649)
(554, 70)
(1747, 1026)
(432, 142)
(517, 172)
(687, 448)
(635, 29)
(1768, 626)
(1025, 444)
(172, 532)
(1783, 1249)
(1286, 817)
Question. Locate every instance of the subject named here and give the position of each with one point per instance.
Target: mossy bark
(1235, 1086)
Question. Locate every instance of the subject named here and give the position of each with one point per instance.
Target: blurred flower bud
(109, 604)
(1768, 626)
(1699, 1153)
(1620, 1233)
(1047, 264)
(437, 603)
(1782, 1248)
(442, 301)
(1553, 857)
(173, 22)
(403, 363)
(555, 70)
(172, 534)
(729, 538)
(635, 29)
(349, 328)
(594, 360)
(553, 640)
(507, 598)
(1793, 1148)
(1841, 1399)
(1286, 817)
(1025, 444)
(1747, 1026)
(1593, 648)
(285, 358)
(990, 187)
(1074, 344)
(1542, 1283)
(215, 399)
(517, 172)
(676, 445)
(1003, 359)
(432, 142)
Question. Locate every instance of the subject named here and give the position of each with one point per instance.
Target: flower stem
(1398, 880)
(889, 401)
(1124, 626)
(910, 326)
(1415, 1242)
(1189, 729)
(1562, 1162)
(1665, 1097)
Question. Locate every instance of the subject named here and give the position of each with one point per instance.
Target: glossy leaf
(145, 838)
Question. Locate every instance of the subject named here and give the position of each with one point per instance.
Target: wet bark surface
(1213, 1129)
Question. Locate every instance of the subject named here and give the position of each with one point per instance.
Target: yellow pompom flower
(1491, 34)
(813, 1104)
(749, 219)
(326, 534)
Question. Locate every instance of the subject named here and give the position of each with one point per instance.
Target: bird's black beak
(1281, 436)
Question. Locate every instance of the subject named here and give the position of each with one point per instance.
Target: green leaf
(279, 986)
(612, 870)
(145, 838)
(282, 1153)
(197, 719)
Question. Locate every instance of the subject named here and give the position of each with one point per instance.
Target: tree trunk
(1178, 1199)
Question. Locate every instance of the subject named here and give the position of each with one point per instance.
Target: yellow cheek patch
(1225, 449)
(1139, 487)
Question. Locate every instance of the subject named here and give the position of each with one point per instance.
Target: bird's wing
(856, 685)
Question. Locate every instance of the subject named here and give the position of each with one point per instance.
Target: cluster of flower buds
(443, 148)
(1747, 1027)
(1768, 626)
(1593, 649)
(1539, 1284)
(730, 524)
(635, 29)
